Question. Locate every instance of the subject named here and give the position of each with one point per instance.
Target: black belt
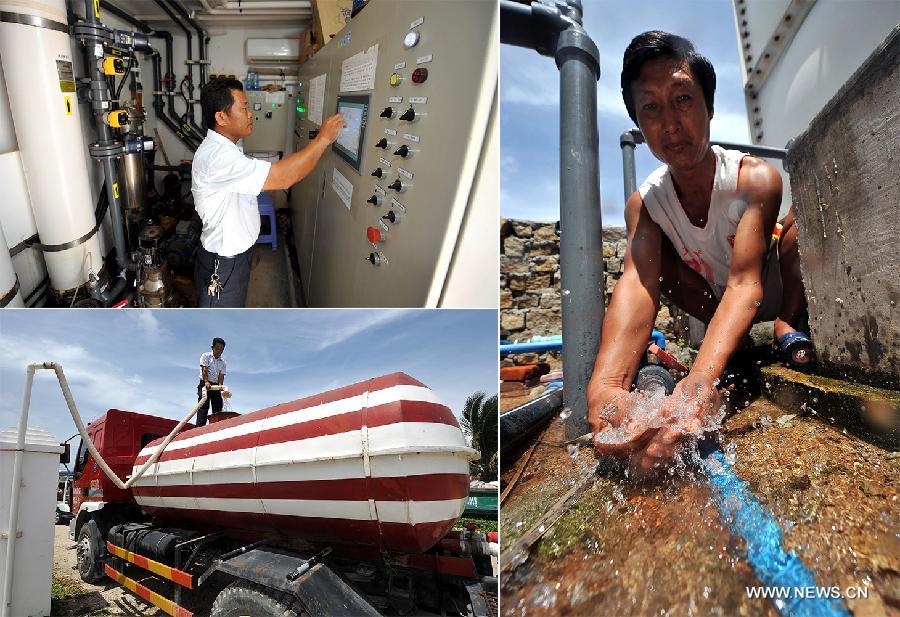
(222, 257)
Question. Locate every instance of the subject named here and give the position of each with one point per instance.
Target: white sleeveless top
(707, 250)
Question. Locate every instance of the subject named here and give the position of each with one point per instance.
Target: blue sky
(148, 361)
(529, 101)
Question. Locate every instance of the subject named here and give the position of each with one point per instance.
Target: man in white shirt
(225, 184)
(212, 373)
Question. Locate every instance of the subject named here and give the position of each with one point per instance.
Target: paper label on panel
(342, 186)
(316, 99)
(390, 131)
(275, 97)
(358, 71)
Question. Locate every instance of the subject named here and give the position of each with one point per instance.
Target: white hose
(20, 447)
(70, 401)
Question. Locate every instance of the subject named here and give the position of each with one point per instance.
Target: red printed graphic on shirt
(696, 263)
(731, 240)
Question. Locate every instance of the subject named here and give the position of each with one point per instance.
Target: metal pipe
(581, 232)
(202, 38)
(107, 149)
(627, 141)
(237, 11)
(186, 134)
(517, 424)
(190, 102)
(158, 104)
(556, 31)
(137, 23)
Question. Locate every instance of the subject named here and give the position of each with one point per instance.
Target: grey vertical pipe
(100, 91)
(581, 235)
(628, 141)
(556, 30)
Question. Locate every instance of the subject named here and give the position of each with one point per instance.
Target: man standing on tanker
(225, 184)
(700, 230)
(212, 373)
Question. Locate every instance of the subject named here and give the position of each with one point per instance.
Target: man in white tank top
(700, 230)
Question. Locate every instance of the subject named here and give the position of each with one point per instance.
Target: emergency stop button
(420, 75)
(375, 235)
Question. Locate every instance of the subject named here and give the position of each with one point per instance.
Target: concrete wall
(847, 198)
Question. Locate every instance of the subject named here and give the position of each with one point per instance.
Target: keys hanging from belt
(214, 285)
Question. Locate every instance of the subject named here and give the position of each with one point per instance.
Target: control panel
(270, 120)
(380, 219)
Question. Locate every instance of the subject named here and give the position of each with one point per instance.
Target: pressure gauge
(410, 39)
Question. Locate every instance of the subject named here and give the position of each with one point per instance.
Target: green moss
(574, 529)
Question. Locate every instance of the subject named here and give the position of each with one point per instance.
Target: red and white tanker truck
(342, 503)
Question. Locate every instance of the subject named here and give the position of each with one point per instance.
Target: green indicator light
(273, 105)
(300, 109)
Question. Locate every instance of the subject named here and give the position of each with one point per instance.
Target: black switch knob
(390, 216)
(396, 185)
(313, 134)
(378, 173)
(387, 113)
(374, 200)
(268, 114)
(402, 151)
(382, 143)
(409, 115)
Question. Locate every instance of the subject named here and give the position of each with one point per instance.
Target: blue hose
(555, 343)
(746, 517)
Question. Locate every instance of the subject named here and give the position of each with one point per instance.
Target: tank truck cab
(97, 503)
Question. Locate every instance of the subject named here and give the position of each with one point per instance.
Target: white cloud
(145, 322)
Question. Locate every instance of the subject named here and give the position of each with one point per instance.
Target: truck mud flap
(321, 591)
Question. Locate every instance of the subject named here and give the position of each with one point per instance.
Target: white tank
(10, 295)
(37, 63)
(813, 48)
(33, 562)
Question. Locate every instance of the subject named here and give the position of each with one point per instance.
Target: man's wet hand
(608, 416)
(331, 128)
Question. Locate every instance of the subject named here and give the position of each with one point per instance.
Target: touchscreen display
(350, 141)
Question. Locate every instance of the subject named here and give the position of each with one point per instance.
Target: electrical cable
(125, 76)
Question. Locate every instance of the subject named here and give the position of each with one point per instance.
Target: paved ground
(661, 547)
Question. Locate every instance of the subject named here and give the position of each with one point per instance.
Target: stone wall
(530, 285)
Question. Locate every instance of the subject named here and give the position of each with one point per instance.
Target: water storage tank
(33, 562)
(380, 463)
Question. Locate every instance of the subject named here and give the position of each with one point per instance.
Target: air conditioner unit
(273, 50)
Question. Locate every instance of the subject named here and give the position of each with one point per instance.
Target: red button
(420, 75)
(373, 234)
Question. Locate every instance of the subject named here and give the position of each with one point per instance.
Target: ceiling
(228, 12)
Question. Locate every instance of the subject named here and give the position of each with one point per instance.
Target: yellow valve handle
(117, 119)
(113, 66)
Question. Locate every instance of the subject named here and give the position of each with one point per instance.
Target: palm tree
(479, 424)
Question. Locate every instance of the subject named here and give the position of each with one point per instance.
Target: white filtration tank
(37, 60)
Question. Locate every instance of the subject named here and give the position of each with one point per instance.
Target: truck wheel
(88, 553)
(245, 599)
